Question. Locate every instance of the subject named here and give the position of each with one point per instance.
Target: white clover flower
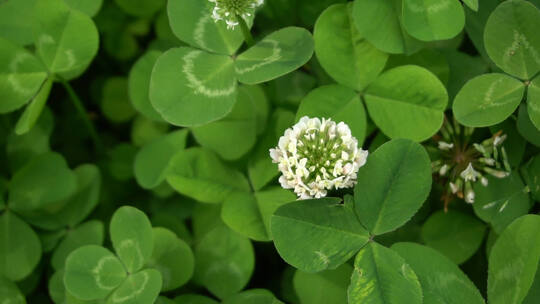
(445, 146)
(315, 156)
(469, 174)
(231, 10)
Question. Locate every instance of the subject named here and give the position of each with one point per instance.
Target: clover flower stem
(245, 31)
(83, 114)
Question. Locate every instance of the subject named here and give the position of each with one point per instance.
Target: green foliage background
(134, 162)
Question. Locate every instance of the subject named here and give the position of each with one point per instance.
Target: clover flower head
(461, 163)
(316, 155)
(231, 10)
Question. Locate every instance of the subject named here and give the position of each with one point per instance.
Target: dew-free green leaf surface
(317, 234)
(235, 134)
(359, 62)
(89, 7)
(392, 186)
(381, 276)
(93, 272)
(191, 21)
(132, 237)
(16, 21)
(338, 103)
(487, 99)
(139, 85)
(89, 233)
(190, 87)
(513, 261)
(172, 257)
(253, 296)
(32, 112)
(153, 159)
(511, 38)
(249, 213)
(502, 201)
(407, 102)
(194, 299)
(66, 39)
(115, 103)
(224, 261)
(141, 8)
(325, 287)
(429, 20)
(442, 281)
(526, 128)
(10, 293)
(380, 22)
(455, 234)
(20, 247)
(32, 187)
(533, 102)
(200, 174)
(141, 287)
(21, 76)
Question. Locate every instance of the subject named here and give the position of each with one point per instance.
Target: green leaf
(193, 299)
(392, 186)
(200, 174)
(224, 261)
(277, 54)
(132, 237)
(487, 99)
(407, 102)
(20, 248)
(32, 112)
(253, 296)
(338, 103)
(191, 87)
(10, 293)
(533, 102)
(531, 173)
(191, 21)
(359, 62)
(261, 170)
(144, 130)
(511, 38)
(513, 261)
(115, 103)
(66, 39)
(526, 128)
(325, 287)
(235, 134)
(429, 20)
(153, 159)
(141, 8)
(472, 4)
(317, 234)
(380, 23)
(32, 187)
(92, 272)
(441, 280)
(502, 201)
(382, 276)
(16, 21)
(139, 85)
(21, 76)
(120, 160)
(89, 7)
(138, 288)
(431, 59)
(249, 213)
(89, 233)
(172, 257)
(456, 235)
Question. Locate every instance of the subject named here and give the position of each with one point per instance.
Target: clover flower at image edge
(316, 155)
(231, 10)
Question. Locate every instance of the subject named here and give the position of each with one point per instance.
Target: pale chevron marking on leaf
(276, 55)
(198, 85)
(17, 85)
(520, 41)
(434, 8)
(503, 206)
(96, 271)
(487, 206)
(323, 258)
(129, 245)
(198, 33)
(121, 299)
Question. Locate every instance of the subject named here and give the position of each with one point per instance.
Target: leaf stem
(245, 31)
(83, 114)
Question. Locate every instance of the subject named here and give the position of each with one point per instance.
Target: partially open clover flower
(462, 163)
(231, 10)
(315, 156)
